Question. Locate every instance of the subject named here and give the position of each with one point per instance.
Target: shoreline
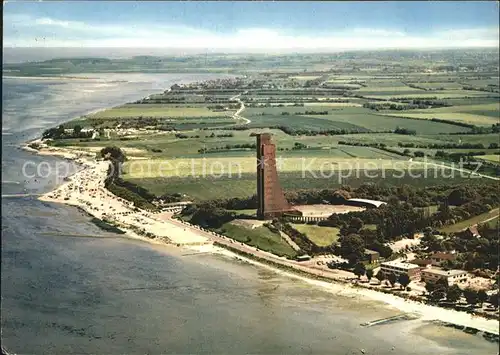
(168, 233)
(85, 190)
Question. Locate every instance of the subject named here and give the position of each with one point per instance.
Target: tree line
(138, 195)
(228, 147)
(59, 132)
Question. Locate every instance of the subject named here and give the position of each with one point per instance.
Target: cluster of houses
(95, 133)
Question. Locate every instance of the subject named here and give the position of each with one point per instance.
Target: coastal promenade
(340, 283)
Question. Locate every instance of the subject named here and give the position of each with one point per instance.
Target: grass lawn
(321, 236)
(490, 158)
(259, 237)
(470, 222)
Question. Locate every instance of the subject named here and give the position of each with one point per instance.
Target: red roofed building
(440, 257)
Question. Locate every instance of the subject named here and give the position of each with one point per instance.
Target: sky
(251, 26)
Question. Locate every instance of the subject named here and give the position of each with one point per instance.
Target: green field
(321, 236)
(234, 167)
(390, 139)
(447, 85)
(259, 237)
(245, 186)
(485, 139)
(376, 89)
(159, 111)
(422, 94)
(304, 77)
(331, 104)
(457, 227)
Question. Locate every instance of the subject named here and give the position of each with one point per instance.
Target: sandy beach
(85, 189)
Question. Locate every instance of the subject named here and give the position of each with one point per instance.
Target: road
(237, 116)
(331, 274)
(471, 173)
(489, 219)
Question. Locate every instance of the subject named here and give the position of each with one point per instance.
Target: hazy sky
(248, 26)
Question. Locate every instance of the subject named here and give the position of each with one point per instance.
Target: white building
(398, 268)
(365, 203)
(453, 277)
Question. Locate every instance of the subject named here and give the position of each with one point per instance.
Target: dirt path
(289, 241)
(237, 115)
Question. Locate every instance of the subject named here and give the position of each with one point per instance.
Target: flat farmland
(351, 118)
(345, 81)
(304, 77)
(472, 101)
(237, 166)
(318, 105)
(159, 111)
(371, 121)
(447, 85)
(209, 188)
(491, 109)
(391, 139)
(469, 118)
(303, 122)
(390, 88)
(485, 139)
(422, 94)
(459, 117)
(493, 81)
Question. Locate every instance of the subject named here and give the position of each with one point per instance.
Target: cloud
(377, 32)
(19, 31)
(45, 21)
(469, 34)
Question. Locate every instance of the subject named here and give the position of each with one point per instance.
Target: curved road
(237, 116)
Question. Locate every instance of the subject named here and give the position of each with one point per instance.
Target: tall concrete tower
(270, 198)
